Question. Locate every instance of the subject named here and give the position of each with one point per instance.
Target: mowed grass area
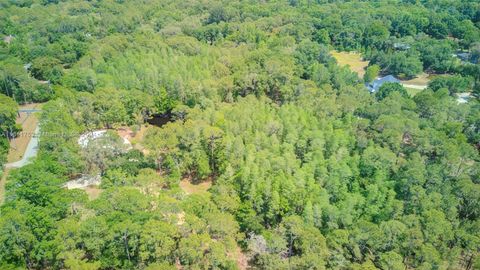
(351, 59)
(417, 84)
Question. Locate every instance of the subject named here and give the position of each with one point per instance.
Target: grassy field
(351, 59)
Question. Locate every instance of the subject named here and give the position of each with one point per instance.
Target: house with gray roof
(467, 57)
(377, 83)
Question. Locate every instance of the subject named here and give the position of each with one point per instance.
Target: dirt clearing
(190, 188)
(93, 192)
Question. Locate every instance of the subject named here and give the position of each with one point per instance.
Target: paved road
(30, 152)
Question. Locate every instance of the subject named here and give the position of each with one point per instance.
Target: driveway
(30, 152)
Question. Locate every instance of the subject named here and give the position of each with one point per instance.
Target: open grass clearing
(352, 59)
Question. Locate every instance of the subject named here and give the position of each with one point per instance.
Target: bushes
(454, 83)
(405, 64)
(8, 127)
(388, 88)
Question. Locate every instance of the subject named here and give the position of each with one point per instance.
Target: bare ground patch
(135, 137)
(93, 192)
(189, 188)
(241, 258)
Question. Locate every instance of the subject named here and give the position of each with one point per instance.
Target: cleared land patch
(352, 59)
(135, 137)
(190, 188)
(93, 192)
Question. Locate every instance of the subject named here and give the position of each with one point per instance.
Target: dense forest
(308, 169)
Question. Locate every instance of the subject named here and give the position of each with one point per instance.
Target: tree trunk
(125, 241)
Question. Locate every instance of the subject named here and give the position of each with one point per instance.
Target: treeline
(43, 41)
(8, 127)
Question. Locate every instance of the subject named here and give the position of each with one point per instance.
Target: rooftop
(377, 83)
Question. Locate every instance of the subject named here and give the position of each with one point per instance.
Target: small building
(87, 137)
(401, 46)
(84, 181)
(466, 57)
(377, 83)
(463, 98)
(8, 39)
